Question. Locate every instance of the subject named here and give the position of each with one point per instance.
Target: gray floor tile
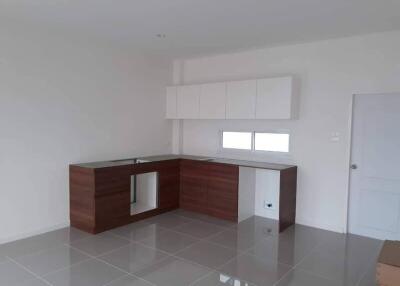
(88, 273)
(301, 278)
(234, 239)
(173, 272)
(35, 282)
(369, 277)
(221, 279)
(42, 242)
(189, 214)
(100, 244)
(169, 241)
(258, 226)
(11, 274)
(199, 229)
(335, 266)
(138, 231)
(52, 259)
(207, 254)
(129, 281)
(255, 270)
(287, 250)
(168, 220)
(134, 257)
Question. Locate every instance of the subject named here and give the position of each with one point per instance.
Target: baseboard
(321, 225)
(33, 233)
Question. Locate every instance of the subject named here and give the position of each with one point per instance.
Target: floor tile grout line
(31, 272)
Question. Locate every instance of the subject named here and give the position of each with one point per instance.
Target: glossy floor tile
(87, 273)
(199, 229)
(133, 257)
(301, 278)
(207, 254)
(173, 272)
(138, 231)
(51, 260)
(13, 274)
(100, 244)
(168, 220)
(181, 248)
(169, 241)
(34, 282)
(43, 241)
(129, 281)
(255, 270)
(221, 279)
(234, 239)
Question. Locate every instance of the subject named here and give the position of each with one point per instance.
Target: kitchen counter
(142, 160)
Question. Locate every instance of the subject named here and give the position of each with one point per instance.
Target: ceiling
(202, 27)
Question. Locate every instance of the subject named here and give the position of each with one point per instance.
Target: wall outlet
(268, 205)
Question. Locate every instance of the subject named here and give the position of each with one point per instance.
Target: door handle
(354, 166)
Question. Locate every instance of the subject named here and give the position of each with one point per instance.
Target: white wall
(65, 100)
(329, 72)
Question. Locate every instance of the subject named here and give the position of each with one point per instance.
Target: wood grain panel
(287, 200)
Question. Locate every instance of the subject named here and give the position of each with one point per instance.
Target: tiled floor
(182, 248)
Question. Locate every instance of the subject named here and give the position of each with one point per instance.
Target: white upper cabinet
(171, 102)
(241, 99)
(188, 99)
(212, 101)
(268, 98)
(274, 98)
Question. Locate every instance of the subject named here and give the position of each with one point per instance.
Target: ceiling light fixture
(161, 36)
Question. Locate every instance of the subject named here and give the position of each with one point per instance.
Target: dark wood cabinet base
(100, 197)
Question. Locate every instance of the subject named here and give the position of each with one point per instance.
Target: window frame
(221, 145)
(253, 151)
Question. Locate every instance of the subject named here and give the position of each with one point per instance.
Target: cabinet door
(168, 184)
(223, 191)
(171, 102)
(212, 101)
(188, 101)
(193, 192)
(274, 98)
(241, 99)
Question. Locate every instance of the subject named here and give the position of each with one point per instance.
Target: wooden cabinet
(171, 102)
(241, 99)
(274, 98)
(210, 188)
(212, 101)
(188, 98)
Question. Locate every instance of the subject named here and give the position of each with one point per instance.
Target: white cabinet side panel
(247, 191)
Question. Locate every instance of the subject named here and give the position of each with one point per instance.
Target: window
(274, 142)
(237, 140)
(256, 141)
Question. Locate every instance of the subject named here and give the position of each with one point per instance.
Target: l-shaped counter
(100, 192)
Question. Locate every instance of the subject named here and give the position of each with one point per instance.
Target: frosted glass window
(275, 142)
(236, 140)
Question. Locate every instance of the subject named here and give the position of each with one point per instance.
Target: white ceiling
(202, 27)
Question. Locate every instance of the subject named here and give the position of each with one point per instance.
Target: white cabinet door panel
(171, 102)
(212, 101)
(241, 99)
(188, 98)
(274, 98)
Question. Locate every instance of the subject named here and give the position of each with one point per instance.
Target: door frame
(350, 151)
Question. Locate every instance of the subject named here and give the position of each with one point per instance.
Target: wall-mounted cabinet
(274, 98)
(171, 102)
(268, 98)
(213, 101)
(188, 100)
(241, 99)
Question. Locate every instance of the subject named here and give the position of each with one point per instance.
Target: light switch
(335, 136)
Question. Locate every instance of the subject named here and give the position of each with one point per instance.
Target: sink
(206, 159)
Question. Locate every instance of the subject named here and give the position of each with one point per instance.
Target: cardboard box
(388, 266)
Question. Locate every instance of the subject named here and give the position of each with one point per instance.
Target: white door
(374, 206)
